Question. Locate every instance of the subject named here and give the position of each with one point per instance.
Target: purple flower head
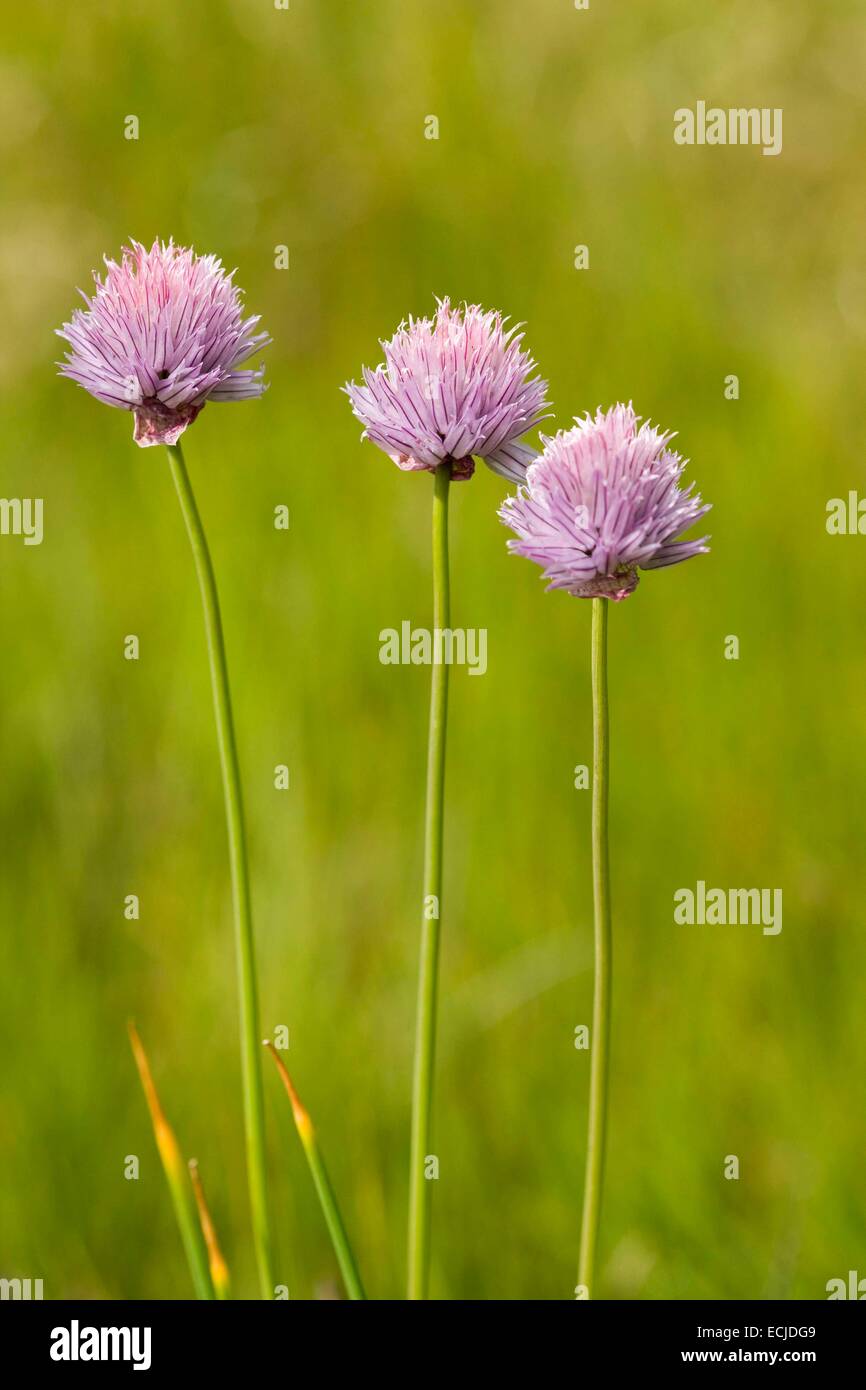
(602, 501)
(451, 387)
(162, 334)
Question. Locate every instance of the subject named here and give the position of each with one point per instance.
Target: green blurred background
(261, 127)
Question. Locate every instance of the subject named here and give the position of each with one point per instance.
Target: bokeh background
(261, 127)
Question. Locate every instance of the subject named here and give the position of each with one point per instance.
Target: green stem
(600, 1040)
(425, 1036)
(254, 1115)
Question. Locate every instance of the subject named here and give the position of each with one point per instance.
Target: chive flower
(602, 501)
(163, 333)
(453, 388)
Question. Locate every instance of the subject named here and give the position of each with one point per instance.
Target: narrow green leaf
(219, 1270)
(175, 1173)
(327, 1196)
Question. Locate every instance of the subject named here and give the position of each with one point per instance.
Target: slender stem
(600, 1040)
(425, 1036)
(254, 1115)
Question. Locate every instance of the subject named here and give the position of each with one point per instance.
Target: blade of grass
(175, 1173)
(327, 1196)
(219, 1270)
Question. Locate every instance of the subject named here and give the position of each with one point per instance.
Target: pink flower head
(162, 334)
(451, 387)
(602, 501)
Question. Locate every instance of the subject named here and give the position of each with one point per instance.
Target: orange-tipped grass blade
(219, 1270)
(175, 1173)
(326, 1194)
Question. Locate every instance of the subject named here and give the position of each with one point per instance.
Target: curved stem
(425, 1037)
(600, 1041)
(254, 1117)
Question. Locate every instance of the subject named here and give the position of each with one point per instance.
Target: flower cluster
(455, 387)
(602, 501)
(163, 334)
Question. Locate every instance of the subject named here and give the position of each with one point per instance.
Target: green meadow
(307, 129)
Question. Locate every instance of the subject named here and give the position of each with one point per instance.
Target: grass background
(305, 127)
